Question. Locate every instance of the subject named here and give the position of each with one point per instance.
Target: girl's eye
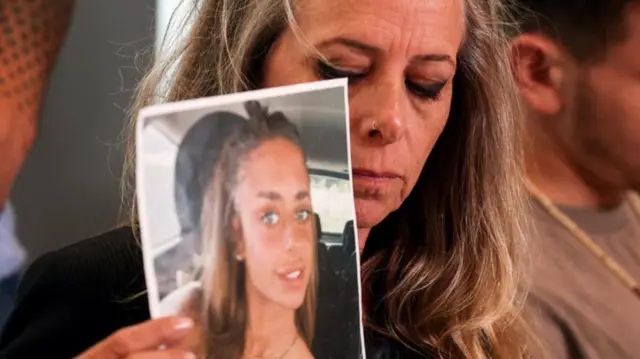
(270, 218)
(329, 72)
(303, 215)
(429, 92)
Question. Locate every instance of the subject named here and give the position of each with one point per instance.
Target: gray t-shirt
(580, 309)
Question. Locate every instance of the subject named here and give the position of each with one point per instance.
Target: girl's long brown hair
(445, 271)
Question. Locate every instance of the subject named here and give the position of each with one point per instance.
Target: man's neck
(271, 328)
(565, 181)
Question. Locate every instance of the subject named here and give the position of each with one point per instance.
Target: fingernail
(183, 323)
(189, 356)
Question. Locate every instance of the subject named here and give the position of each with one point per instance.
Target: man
(577, 65)
(31, 34)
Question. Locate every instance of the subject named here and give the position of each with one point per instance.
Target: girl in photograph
(437, 175)
(257, 293)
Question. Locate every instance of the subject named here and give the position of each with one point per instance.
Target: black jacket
(72, 298)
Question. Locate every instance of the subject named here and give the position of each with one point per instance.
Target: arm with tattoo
(31, 35)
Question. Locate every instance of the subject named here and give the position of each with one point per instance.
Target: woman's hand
(144, 341)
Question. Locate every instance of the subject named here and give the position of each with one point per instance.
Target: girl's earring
(238, 258)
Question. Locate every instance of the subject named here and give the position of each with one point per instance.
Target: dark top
(72, 298)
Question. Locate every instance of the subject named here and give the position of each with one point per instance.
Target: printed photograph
(247, 222)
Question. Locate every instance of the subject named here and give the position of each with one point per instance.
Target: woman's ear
(539, 71)
(238, 238)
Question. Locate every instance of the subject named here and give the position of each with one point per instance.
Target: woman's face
(400, 57)
(275, 223)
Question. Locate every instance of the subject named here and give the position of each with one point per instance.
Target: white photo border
(147, 113)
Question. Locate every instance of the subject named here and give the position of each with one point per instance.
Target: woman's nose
(376, 114)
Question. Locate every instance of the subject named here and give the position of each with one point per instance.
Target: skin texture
(393, 52)
(274, 222)
(584, 118)
(143, 340)
(274, 232)
(31, 34)
(275, 237)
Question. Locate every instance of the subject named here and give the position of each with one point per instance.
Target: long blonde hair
(448, 267)
(220, 307)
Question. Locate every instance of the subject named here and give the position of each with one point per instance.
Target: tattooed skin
(31, 35)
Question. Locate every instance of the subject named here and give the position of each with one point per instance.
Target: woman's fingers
(140, 338)
(164, 354)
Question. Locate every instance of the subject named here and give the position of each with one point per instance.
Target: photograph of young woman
(257, 286)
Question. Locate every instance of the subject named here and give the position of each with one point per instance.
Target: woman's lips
(371, 178)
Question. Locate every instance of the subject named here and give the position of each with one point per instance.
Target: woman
(435, 156)
(257, 295)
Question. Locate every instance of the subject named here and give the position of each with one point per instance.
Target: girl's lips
(290, 272)
(293, 278)
(294, 274)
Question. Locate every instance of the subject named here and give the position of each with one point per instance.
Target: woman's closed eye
(430, 91)
(427, 91)
(329, 72)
